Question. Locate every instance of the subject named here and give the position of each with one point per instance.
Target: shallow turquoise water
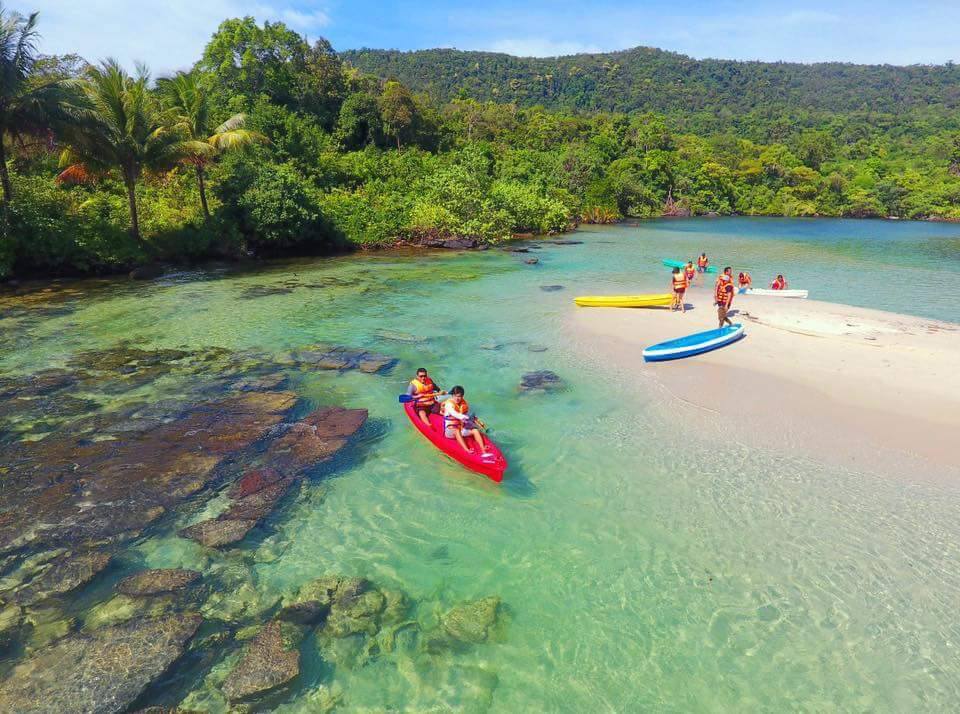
(641, 568)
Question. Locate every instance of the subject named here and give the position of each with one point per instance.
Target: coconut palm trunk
(134, 215)
(4, 174)
(203, 193)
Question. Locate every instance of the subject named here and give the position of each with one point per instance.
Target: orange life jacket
(690, 272)
(745, 280)
(778, 284)
(461, 408)
(679, 281)
(702, 261)
(723, 283)
(424, 392)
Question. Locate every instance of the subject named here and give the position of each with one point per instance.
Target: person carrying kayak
(690, 272)
(459, 424)
(745, 281)
(779, 284)
(680, 285)
(703, 263)
(723, 296)
(424, 391)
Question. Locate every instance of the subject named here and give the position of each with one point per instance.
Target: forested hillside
(274, 145)
(647, 79)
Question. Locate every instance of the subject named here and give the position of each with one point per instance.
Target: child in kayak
(723, 296)
(459, 424)
(680, 284)
(779, 284)
(745, 281)
(424, 391)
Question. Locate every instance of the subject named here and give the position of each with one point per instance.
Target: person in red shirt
(779, 284)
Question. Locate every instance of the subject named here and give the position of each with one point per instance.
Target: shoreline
(849, 386)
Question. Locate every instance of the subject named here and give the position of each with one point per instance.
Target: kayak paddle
(406, 398)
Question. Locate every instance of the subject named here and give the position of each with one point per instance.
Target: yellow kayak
(625, 300)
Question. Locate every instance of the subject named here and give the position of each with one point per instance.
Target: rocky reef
(99, 455)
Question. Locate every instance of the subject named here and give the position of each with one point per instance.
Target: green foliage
(648, 79)
(334, 158)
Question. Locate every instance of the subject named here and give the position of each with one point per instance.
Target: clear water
(642, 568)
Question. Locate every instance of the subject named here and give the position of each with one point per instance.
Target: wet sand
(869, 390)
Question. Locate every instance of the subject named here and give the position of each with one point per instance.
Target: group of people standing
(723, 290)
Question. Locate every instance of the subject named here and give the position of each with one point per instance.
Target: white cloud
(167, 36)
(540, 47)
(303, 21)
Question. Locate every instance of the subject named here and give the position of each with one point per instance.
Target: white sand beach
(869, 390)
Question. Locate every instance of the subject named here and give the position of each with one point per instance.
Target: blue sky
(170, 34)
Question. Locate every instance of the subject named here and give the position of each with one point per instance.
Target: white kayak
(774, 293)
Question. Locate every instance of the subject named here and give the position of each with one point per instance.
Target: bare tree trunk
(4, 175)
(134, 218)
(203, 193)
(398, 141)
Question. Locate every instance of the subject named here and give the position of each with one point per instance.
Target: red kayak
(490, 466)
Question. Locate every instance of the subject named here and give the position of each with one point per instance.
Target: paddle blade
(404, 398)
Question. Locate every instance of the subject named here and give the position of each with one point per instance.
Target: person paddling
(703, 263)
(459, 424)
(779, 284)
(424, 391)
(680, 285)
(745, 281)
(723, 296)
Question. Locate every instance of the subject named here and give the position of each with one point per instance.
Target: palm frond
(235, 122)
(237, 139)
(76, 174)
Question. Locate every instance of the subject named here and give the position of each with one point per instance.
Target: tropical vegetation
(273, 145)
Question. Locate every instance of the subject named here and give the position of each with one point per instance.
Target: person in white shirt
(458, 422)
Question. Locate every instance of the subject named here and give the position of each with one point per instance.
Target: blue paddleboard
(694, 344)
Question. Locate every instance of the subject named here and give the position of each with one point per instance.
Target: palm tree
(122, 127)
(27, 106)
(186, 96)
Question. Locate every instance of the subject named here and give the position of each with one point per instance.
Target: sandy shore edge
(865, 389)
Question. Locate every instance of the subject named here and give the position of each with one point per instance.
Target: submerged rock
(103, 671)
(314, 599)
(316, 438)
(253, 481)
(157, 581)
(541, 381)
(472, 621)
(357, 614)
(268, 662)
(532, 261)
(567, 242)
(66, 490)
(64, 575)
(11, 618)
(551, 288)
(343, 358)
(257, 505)
(215, 533)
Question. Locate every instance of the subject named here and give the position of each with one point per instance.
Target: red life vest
(702, 261)
(679, 281)
(778, 284)
(745, 280)
(689, 271)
